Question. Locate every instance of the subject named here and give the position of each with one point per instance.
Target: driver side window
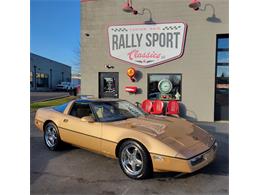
(104, 111)
(81, 110)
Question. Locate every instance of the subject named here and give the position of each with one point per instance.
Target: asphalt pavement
(42, 96)
(77, 171)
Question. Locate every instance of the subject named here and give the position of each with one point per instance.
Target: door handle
(65, 120)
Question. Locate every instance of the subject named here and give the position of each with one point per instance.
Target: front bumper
(38, 124)
(165, 163)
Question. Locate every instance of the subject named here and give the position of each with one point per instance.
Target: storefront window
(31, 79)
(42, 80)
(164, 86)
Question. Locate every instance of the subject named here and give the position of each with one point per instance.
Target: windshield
(115, 111)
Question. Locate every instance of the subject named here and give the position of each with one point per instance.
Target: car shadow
(40, 156)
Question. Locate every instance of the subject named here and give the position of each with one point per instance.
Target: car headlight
(196, 160)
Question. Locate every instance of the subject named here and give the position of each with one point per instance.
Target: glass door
(222, 78)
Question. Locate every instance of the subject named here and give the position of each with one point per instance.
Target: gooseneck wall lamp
(150, 20)
(212, 18)
(128, 7)
(194, 4)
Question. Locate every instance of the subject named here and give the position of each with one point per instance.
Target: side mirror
(88, 119)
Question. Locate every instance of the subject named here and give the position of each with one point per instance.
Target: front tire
(51, 137)
(135, 160)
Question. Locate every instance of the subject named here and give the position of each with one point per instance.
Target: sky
(55, 30)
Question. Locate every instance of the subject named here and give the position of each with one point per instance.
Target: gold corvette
(116, 128)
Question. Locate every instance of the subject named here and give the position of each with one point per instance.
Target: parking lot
(77, 171)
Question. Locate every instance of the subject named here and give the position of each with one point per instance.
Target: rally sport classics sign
(147, 45)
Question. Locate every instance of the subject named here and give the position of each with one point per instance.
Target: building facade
(45, 73)
(176, 53)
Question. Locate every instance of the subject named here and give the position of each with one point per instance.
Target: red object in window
(157, 107)
(173, 108)
(131, 89)
(147, 106)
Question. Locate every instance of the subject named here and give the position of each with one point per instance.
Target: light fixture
(212, 18)
(150, 21)
(131, 73)
(109, 66)
(195, 4)
(128, 7)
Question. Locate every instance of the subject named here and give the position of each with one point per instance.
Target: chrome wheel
(132, 159)
(50, 136)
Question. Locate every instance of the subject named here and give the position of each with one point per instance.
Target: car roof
(88, 100)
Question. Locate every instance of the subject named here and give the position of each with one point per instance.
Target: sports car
(142, 143)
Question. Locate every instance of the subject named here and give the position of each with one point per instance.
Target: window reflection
(223, 43)
(42, 80)
(31, 79)
(222, 57)
(222, 71)
(164, 86)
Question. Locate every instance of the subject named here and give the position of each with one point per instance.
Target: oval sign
(147, 45)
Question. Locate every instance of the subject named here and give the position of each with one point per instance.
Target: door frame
(222, 35)
(69, 134)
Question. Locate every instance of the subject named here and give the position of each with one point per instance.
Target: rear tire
(135, 160)
(52, 137)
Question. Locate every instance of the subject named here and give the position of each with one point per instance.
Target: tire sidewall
(146, 170)
(57, 146)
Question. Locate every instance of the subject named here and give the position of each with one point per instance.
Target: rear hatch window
(61, 107)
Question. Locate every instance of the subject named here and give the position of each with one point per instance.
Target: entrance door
(108, 85)
(222, 78)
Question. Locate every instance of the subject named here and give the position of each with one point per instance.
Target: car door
(78, 132)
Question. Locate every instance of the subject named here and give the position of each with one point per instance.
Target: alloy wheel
(51, 138)
(132, 159)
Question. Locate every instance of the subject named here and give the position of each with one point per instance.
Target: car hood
(181, 135)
